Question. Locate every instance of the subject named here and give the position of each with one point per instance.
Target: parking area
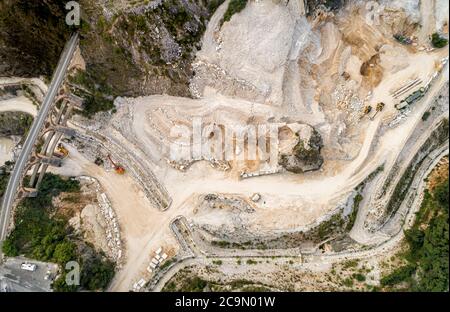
(13, 278)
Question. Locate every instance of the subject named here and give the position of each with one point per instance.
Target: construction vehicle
(367, 109)
(415, 96)
(62, 152)
(401, 105)
(411, 99)
(118, 168)
(379, 108)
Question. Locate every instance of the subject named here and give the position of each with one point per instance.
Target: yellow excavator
(379, 108)
(366, 111)
(62, 151)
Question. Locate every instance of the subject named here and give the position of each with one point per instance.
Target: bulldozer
(117, 168)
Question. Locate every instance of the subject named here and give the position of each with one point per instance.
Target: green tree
(64, 252)
(96, 274)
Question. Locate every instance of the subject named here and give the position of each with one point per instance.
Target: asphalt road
(14, 279)
(16, 176)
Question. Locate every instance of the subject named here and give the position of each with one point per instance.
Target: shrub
(438, 41)
(359, 277)
(398, 276)
(425, 116)
(234, 7)
(96, 274)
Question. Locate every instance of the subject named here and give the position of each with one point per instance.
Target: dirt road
(18, 104)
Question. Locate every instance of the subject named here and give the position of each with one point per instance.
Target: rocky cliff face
(333, 5)
(301, 151)
(14, 123)
(32, 35)
(130, 48)
(145, 49)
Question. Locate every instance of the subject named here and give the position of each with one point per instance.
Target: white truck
(28, 267)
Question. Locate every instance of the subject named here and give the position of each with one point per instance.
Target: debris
(256, 197)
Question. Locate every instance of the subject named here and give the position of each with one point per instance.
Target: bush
(425, 116)
(438, 41)
(195, 284)
(234, 7)
(64, 252)
(400, 275)
(359, 277)
(441, 195)
(348, 282)
(214, 4)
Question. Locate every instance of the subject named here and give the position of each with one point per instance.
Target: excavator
(366, 111)
(379, 108)
(61, 151)
(118, 168)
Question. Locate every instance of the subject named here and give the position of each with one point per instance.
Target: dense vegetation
(41, 233)
(36, 234)
(15, 123)
(212, 4)
(4, 177)
(438, 41)
(97, 95)
(428, 240)
(33, 35)
(234, 7)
